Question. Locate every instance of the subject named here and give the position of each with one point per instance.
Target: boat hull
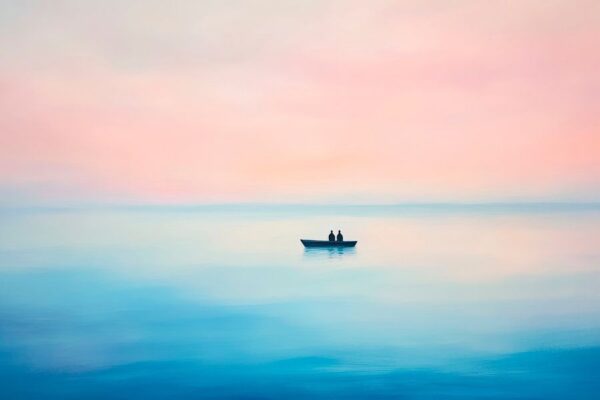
(327, 243)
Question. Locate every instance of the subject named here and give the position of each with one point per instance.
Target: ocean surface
(436, 301)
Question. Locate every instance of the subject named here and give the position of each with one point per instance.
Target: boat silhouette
(328, 243)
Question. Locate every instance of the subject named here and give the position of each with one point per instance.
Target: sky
(299, 101)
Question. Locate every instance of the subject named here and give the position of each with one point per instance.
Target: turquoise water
(435, 302)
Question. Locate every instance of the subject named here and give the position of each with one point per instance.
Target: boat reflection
(330, 252)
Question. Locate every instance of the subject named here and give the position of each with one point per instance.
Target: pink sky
(301, 101)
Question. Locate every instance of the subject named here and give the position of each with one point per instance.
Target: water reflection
(329, 252)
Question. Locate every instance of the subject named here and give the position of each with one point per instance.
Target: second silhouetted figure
(340, 237)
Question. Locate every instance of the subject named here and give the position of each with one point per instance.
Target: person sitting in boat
(340, 237)
(331, 236)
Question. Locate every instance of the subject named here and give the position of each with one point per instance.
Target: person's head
(339, 231)
(332, 231)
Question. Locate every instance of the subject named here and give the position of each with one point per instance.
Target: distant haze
(299, 101)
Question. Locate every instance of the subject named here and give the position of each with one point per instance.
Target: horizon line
(412, 204)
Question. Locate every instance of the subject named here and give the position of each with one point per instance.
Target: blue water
(436, 302)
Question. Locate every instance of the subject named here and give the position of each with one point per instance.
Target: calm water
(435, 302)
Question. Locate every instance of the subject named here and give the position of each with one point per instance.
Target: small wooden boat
(327, 243)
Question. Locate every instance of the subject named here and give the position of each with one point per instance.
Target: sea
(436, 301)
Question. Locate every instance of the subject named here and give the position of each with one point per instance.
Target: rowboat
(327, 243)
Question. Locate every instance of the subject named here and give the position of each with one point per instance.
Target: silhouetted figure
(331, 236)
(340, 237)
